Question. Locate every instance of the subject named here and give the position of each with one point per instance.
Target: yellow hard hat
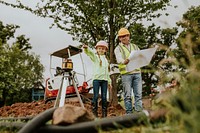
(123, 31)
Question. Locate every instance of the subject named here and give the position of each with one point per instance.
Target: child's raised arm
(88, 52)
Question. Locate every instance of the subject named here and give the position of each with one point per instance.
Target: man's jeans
(129, 82)
(103, 84)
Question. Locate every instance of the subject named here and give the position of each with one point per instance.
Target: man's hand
(126, 61)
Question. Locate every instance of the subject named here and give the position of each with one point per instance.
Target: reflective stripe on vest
(125, 54)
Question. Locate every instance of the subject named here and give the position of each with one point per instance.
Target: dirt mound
(36, 107)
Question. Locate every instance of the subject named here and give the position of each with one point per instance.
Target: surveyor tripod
(67, 75)
(67, 79)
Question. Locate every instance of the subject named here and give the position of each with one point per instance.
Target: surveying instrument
(67, 74)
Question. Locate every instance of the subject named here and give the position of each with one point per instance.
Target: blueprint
(140, 58)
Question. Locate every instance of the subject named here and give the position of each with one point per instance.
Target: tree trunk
(113, 93)
(3, 101)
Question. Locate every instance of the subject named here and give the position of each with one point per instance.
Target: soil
(34, 108)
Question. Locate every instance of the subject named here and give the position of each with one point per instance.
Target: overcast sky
(45, 41)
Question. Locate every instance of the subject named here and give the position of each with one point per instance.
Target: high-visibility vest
(125, 54)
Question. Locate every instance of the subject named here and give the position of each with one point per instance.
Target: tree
(93, 20)
(19, 69)
(189, 37)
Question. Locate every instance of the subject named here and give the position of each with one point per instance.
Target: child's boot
(104, 113)
(104, 110)
(95, 110)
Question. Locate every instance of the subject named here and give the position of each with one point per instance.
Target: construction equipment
(65, 83)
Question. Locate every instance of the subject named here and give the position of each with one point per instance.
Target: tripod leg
(60, 99)
(63, 92)
(56, 104)
(77, 93)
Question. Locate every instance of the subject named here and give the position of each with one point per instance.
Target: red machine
(51, 93)
(64, 83)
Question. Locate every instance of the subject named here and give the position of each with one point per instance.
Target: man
(130, 80)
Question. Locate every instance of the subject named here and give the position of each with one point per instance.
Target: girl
(101, 77)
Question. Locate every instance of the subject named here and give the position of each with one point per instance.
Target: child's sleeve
(89, 53)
